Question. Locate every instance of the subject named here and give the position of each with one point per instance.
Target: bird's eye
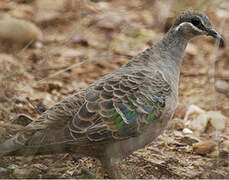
(196, 22)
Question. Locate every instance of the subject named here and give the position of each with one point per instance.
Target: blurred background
(51, 48)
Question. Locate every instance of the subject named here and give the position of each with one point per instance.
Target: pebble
(190, 139)
(110, 21)
(222, 87)
(49, 11)
(187, 131)
(199, 123)
(203, 147)
(217, 120)
(47, 17)
(12, 166)
(19, 31)
(197, 119)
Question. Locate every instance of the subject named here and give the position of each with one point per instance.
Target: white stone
(187, 131)
(217, 120)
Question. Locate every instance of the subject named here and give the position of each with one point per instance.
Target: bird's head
(192, 23)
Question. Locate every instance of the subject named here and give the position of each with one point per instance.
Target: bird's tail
(33, 144)
(9, 146)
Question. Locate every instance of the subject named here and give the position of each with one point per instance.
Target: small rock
(110, 21)
(103, 5)
(49, 11)
(222, 87)
(19, 31)
(187, 131)
(12, 166)
(38, 45)
(217, 120)
(199, 123)
(18, 99)
(190, 139)
(45, 17)
(192, 110)
(203, 147)
(193, 118)
(197, 119)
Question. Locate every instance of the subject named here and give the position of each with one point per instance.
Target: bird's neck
(170, 51)
(171, 48)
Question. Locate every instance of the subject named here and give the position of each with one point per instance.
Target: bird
(121, 112)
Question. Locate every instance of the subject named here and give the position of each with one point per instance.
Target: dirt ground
(82, 40)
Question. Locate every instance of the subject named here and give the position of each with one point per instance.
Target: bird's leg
(112, 168)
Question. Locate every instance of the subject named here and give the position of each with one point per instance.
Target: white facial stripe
(183, 23)
(178, 27)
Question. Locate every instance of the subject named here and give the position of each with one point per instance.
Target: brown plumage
(122, 111)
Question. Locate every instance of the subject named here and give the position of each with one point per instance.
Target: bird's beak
(215, 34)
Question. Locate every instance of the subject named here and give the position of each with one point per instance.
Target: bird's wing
(120, 106)
(116, 107)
